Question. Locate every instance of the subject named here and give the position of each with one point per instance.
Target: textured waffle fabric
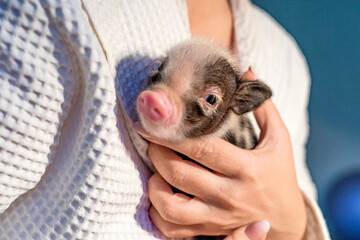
(71, 167)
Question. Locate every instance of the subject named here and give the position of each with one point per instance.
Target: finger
(176, 208)
(255, 231)
(269, 121)
(173, 230)
(170, 229)
(214, 153)
(267, 116)
(182, 174)
(183, 231)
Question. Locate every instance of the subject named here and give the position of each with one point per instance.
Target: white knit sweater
(70, 165)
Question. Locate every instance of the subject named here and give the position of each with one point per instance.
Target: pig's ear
(249, 95)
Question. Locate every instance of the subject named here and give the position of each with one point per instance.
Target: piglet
(198, 91)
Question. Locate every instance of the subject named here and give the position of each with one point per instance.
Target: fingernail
(257, 230)
(265, 225)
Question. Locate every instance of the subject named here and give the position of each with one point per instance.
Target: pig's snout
(155, 106)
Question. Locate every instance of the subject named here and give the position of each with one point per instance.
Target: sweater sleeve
(297, 96)
(34, 96)
(295, 115)
(277, 60)
(288, 74)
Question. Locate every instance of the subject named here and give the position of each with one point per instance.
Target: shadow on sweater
(132, 76)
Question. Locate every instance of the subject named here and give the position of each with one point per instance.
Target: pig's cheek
(175, 116)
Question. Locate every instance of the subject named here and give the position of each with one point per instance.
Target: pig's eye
(211, 99)
(155, 76)
(160, 68)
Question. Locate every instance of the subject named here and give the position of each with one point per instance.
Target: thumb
(269, 122)
(254, 231)
(267, 116)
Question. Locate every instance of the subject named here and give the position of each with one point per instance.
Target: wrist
(294, 227)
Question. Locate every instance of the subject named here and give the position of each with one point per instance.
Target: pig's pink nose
(154, 105)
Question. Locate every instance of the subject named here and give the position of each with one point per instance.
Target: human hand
(257, 184)
(244, 186)
(254, 231)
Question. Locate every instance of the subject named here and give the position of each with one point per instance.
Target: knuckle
(225, 191)
(237, 172)
(176, 177)
(151, 150)
(233, 201)
(218, 221)
(222, 223)
(153, 183)
(252, 172)
(286, 132)
(258, 180)
(252, 175)
(169, 212)
(202, 150)
(171, 232)
(150, 184)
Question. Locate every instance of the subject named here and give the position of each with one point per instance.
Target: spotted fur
(192, 68)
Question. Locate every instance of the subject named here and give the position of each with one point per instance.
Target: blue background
(328, 32)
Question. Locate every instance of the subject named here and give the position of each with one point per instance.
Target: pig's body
(198, 92)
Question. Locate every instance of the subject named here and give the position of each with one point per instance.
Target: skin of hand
(242, 188)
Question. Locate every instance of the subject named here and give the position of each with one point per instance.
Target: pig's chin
(169, 132)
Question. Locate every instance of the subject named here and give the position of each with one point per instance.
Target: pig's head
(194, 92)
